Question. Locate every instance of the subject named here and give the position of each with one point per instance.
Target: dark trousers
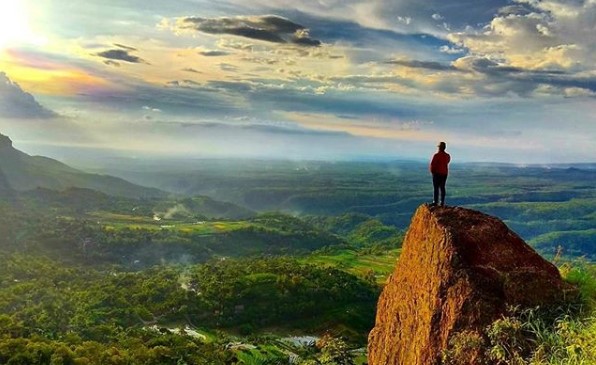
(439, 185)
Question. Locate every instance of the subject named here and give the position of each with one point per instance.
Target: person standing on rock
(439, 170)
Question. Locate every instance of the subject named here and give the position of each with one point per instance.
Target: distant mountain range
(22, 172)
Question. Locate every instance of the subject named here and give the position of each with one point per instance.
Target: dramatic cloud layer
(498, 79)
(270, 28)
(541, 45)
(213, 53)
(549, 34)
(121, 55)
(430, 65)
(16, 103)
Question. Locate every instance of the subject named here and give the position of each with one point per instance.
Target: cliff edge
(459, 270)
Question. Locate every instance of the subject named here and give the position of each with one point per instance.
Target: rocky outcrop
(459, 271)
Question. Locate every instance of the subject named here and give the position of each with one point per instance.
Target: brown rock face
(459, 270)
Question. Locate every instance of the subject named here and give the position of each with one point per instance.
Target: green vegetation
(565, 335)
(22, 172)
(567, 224)
(201, 206)
(138, 241)
(373, 267)
(370, 250)
(360, 231)
(79, 283)
(332, 351)
(576, 242)
(58, 314)
(90, 278)
(262, 293)
(84, 314)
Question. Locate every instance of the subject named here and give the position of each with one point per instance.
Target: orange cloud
(328, 122)
(46, 76)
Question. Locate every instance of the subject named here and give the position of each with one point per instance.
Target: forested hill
(23, 172)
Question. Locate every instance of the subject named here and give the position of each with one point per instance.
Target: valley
(549, 206)
(232, 262)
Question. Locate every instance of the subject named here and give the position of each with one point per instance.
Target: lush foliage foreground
(70, 315)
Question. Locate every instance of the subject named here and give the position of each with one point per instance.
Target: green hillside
(137, 238)
(201, 206)
(23, 172)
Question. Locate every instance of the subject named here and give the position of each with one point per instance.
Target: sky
(498, 80)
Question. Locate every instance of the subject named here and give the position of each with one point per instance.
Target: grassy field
(113, 221)
(357, 262)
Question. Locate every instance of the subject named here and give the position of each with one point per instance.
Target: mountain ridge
(22, 172)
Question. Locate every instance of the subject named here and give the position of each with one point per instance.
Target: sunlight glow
(62, 81)
(14, 24)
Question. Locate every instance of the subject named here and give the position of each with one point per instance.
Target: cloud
(192, 70)
(128, 48)
(16, 103)
(269, 28)
(148, 108)
(490, 66)
(293, 130)
(517, 9)
(403, 16)
(537, 35)
(228, 67)
(173, 97)
(249, 124)
(502, 79)
(112, 63)
(451, 50)
(182, 83)
(527, 48)
(120, 55)
(231, 86)
(424, 15)
(413, 69)
(404, 19)
(429, 65)
(213, 53)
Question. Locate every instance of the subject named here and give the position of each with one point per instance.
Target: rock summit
(459, 271)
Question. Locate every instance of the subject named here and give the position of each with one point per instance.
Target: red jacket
(438, 165)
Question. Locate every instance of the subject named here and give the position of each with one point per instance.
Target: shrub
(509, 343)
(464, 348)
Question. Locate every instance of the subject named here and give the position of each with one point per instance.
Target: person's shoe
(442, 204)
(433, 204)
